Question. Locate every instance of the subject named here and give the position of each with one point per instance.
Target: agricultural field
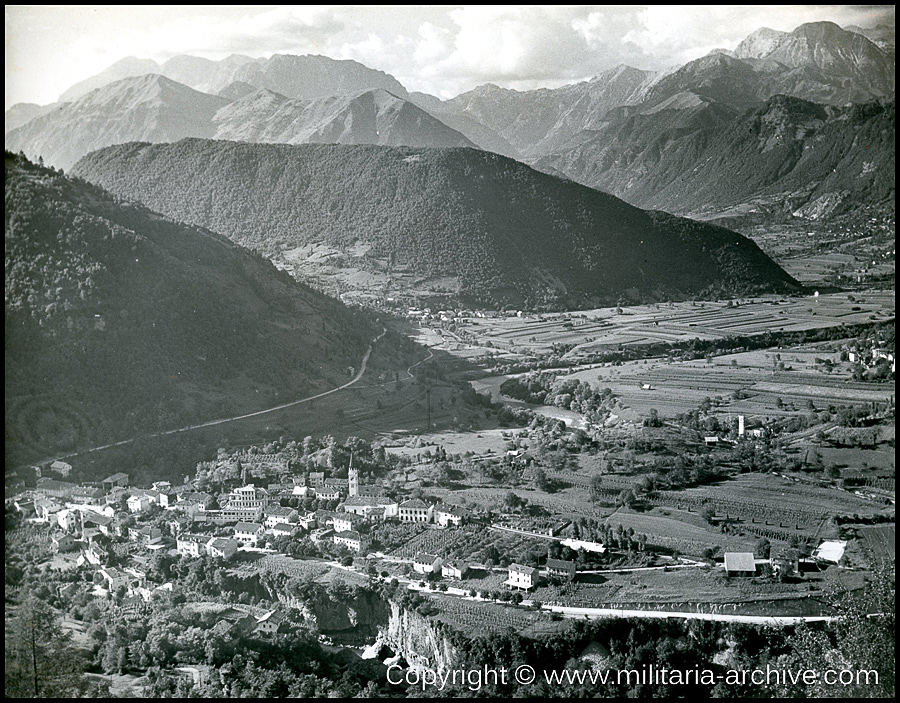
(606, 329)
(748, 383)
(305, 569)
(679, 531)
(567, 503)
(878, 540)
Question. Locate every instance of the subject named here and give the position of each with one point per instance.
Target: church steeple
(352, 478)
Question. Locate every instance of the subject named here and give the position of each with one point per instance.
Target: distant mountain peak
(759, 44)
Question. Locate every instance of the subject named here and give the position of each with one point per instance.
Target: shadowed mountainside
(121, 322)
(505, 232)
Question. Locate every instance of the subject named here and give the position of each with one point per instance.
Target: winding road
(359, 374)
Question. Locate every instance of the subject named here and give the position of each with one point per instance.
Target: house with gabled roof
(284, 529)
(446, 515)
(352, 540)
(138, 503)
(327, 493)
(457, 569)
(222, 547)
(345, 522)
(118, 479)
(275, 514)
(270, 623)
(561, 568)
(426, 563)
(248, 533)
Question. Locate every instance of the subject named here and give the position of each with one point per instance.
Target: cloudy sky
(443, 50)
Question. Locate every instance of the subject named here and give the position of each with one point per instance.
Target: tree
(41, 661)
(596, 487)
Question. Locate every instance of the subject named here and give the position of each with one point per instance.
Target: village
(515, 554)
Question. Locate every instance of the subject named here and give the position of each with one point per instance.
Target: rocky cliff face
(358, 618)
(423, 642)
(416, 637)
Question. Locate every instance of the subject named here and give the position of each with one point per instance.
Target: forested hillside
(504, 232)
(121, 322)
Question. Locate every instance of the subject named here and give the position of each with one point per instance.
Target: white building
(426, 563)
(415, 510)
(248, 533)
(375, 507)
(352, 540)
(524, 577)
(446, 515)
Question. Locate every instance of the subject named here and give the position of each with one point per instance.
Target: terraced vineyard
(480, 617)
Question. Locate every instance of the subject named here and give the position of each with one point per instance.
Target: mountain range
(154, 108)
(484, 229)
(121, 322)
(650, 138)
(796, 158)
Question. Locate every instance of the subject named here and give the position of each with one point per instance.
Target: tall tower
(352, 479)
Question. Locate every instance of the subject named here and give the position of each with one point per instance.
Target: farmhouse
(115, 579)
(831, 551)
(414, 510)
(785, 560)
(740, 564)
(61, 468)
(24, 506)
(523, 577)
(352, 540)
(445, 515)
(426, 563)
(561, 568)
(222, 547)
(111, 482)
(455, 570)
(269, 623)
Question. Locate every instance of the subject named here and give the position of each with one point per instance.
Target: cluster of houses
(427, 315)
(519, 576)
(871, 357)
(242, 518)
